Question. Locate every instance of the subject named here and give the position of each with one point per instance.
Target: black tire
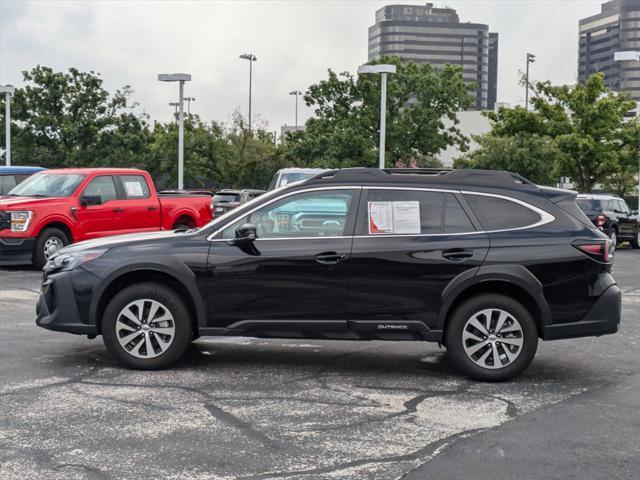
(180, 226)
(635, 241)
(173, 304)
(456, 345)
(48, 235)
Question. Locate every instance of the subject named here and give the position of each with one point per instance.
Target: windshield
(48, 185)
(589, 204)
(226, 197)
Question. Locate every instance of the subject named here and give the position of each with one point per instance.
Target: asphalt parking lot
(252, 408)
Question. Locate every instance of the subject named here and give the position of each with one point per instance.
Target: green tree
(587, 124)
(63, 119)
(345, 129)
(575, 131)
(517, 143)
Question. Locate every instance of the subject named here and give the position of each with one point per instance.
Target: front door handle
(457, 254)
(330, 258)
(152, 208)
(118, 210)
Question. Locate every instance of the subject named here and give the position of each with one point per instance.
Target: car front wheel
(146, 326)
(491, 337)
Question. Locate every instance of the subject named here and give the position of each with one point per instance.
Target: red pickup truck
(54, 208)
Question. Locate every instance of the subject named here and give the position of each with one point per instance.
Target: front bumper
(16, 251)
(57, 308)
(602, 319)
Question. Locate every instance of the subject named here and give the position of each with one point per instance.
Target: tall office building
(427, 34)
(615, 28)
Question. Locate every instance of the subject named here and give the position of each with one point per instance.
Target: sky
(295, 41)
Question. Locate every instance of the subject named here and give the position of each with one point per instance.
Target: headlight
(68, 261)
(20, 221)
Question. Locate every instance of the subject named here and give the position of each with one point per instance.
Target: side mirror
(88, 200)
(246, 233)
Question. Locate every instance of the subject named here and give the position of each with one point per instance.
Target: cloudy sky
(130, 42)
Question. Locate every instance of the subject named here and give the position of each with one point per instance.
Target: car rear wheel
(491, 337)
(146, 326)
(49, 242)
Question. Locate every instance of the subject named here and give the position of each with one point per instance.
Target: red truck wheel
(49, 242)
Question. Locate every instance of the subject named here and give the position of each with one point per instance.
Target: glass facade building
(616, 28)
(432, 35)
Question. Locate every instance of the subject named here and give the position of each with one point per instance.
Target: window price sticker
(394, 217)
(134, 189)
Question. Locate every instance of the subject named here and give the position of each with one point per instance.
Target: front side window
(103, 187)
(501, 214)
(310, 214)
(48, 185)
(135, 187)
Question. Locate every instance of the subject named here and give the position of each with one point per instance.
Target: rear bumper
(57, 309)
(602, 319)
(16, 251)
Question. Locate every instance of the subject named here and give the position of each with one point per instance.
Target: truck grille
(5, 220)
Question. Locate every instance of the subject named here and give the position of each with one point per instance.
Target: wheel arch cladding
(60, 226)
(183, 283)
(514, 281)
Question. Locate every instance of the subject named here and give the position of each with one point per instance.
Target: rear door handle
(118, 210)
(457, 254)
(330, 258)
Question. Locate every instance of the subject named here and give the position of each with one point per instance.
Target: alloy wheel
(492, 338)
(145, 328)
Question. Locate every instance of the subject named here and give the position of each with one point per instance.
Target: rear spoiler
(556, 195)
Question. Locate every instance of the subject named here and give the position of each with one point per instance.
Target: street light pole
(296, 93)
(252, 58)
(383, 70)
(189, 100)
(531, 58)
(181, 78)
(632, 55)
(175, 105)
(8, 91)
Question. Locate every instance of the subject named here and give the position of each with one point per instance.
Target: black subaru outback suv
(483, 262)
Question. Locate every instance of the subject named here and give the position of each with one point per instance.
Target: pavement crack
(247, 429)
(429, 449)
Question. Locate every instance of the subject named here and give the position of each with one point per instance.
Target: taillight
(600, 220)
(600, 251)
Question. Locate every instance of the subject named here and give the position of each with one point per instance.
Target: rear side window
(500, 214)
(135, 187)
(455, 218)
(7, 182)
(404, 212)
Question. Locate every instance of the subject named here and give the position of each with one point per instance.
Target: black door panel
(402, 278)
(283, 281)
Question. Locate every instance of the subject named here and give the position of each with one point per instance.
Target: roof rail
(454, 177)
(423, 171)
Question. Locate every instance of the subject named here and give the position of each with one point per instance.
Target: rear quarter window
(500, 214)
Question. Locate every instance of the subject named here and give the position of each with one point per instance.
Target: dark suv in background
(612, 215)
(484, 262)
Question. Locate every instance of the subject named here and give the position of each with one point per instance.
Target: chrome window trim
(545, 217)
